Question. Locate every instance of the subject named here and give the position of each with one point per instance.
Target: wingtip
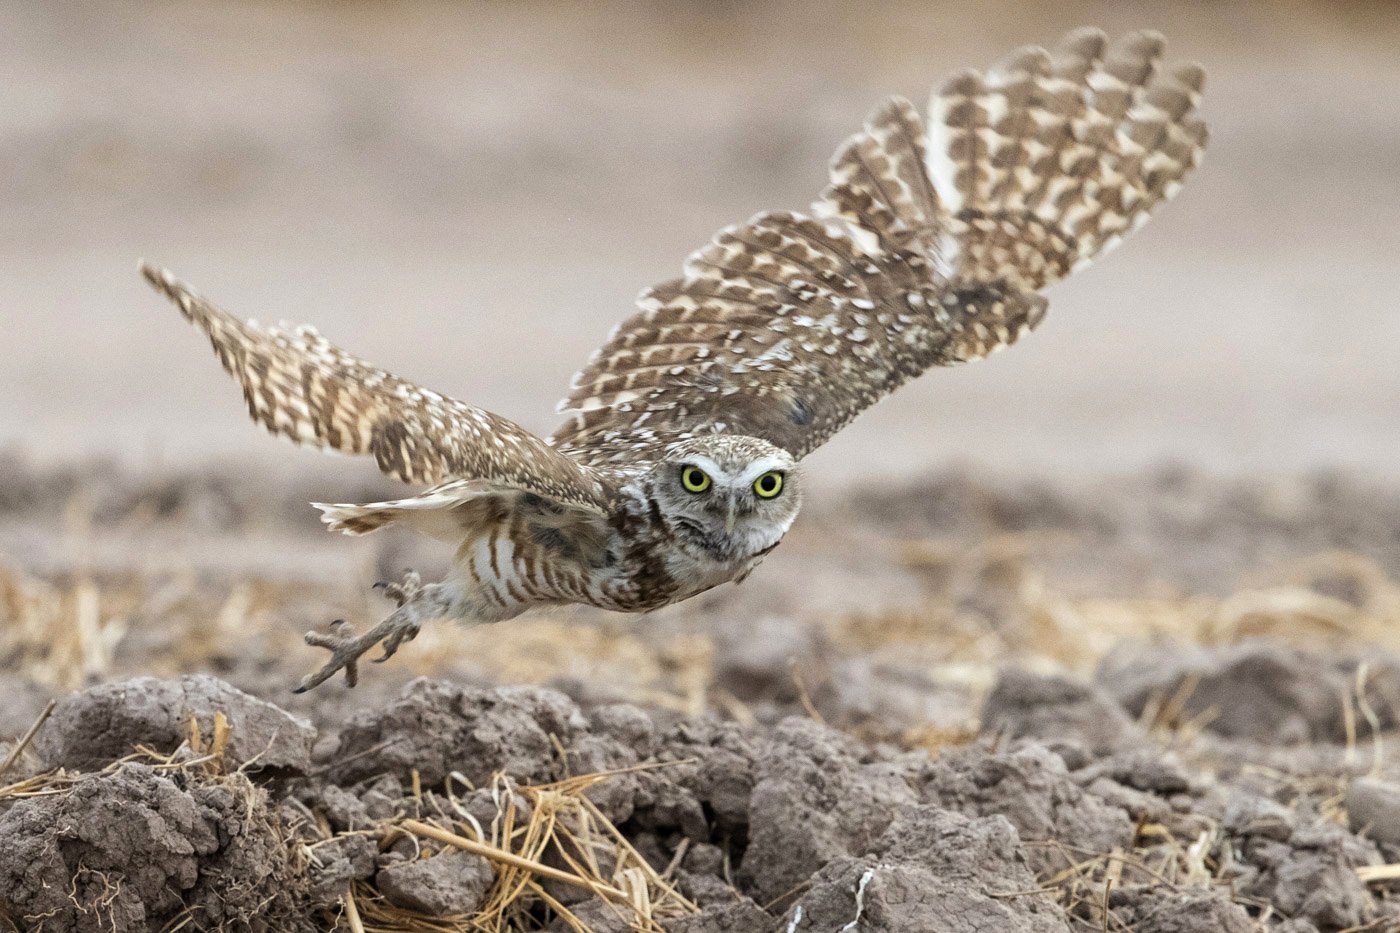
(1143, 44)
(1192, 75)
(160, 279)
(1084, 45)
(966, 82)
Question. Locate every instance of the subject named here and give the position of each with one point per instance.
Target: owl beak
(729, 517)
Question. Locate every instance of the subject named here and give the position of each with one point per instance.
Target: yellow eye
(768, 485)
(694, 479)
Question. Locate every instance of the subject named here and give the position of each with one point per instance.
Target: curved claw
(347, 648)
(403, 590)
(352, 676)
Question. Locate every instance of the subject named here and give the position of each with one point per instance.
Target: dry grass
(984, 604)
(540, 837)
(59, 634)
(990, 603)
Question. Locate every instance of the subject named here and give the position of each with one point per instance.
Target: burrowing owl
(677, 468)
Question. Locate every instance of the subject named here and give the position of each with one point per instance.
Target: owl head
(726, 496)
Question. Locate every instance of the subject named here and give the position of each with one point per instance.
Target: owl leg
(417, 604)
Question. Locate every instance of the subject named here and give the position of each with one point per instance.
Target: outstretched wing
(1051, 158)
(926, 249)
(302, 387)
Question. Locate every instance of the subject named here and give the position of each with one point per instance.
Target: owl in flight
(676, 468)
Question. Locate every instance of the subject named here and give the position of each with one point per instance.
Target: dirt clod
(336, 863)
(450, 882)
(1149, 909)
(1258, 690)
(103, 723)
(1031, 788)
(1373, 809)
(1310, 873)
(1061, 713)
(134, 849)
(742, 916)
(936, 872)
(437, 728)
(816, 797)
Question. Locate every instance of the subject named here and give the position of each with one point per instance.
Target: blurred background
(471, 194)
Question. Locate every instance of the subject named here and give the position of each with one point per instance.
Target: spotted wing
(300, 386)
(783, 328)
(926, 249)
(1051, 158)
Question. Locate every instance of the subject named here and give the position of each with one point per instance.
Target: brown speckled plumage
(929, 247)
(929, 251)
(302, 387)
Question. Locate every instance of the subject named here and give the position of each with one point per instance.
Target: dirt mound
(934, 871)
(1256, 689)
(91, 728)
(142, 847)
(965, 704)
(518, 807)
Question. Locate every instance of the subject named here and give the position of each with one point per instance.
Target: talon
(347, 649)
(404, 590)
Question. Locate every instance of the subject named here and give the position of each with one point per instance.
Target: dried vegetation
(1137, 622)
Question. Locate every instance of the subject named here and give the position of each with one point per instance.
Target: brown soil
(1161, 703)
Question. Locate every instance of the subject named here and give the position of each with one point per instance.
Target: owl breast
(695, 575)
(661, 560)
(636, 562)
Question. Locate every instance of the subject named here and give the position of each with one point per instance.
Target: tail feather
(352, 519)
(430, 513)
